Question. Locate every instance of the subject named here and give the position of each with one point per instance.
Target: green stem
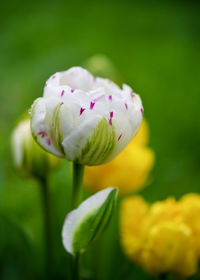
(75, 267)
(162, 276)
(78, 171)
(47, 226)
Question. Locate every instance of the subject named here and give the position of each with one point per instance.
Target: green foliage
(155, 46)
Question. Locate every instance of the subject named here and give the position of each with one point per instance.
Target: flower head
(160, 237)
(86, 119)
(128, 171)
(28, 156)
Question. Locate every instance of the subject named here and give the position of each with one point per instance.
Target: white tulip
(28, 157)
(88, 120)
(84, 224)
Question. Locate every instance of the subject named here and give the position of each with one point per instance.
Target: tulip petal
(41, 129)
(91, 143)
(84, 224)
(77, 78)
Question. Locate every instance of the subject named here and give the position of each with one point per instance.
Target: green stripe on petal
(56, 129)
(86, 223)
(99, 145)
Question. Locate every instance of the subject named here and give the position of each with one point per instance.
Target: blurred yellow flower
(128, 171)
(190, 205)
(133, 213)
(162, 237)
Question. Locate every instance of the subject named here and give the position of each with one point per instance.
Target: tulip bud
(86, 119)
(84, 224)
(29, 158)
(101, 65)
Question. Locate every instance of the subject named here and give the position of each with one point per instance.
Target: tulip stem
(75, 267)
(47, 226)
(163, 276)
(78, 171)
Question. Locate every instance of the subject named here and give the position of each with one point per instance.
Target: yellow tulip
(133, 213)
(162, 237)
(190, 205)
(168, 248)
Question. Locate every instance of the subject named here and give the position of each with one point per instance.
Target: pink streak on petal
(92, 105)
(142, 110)
(110, 97)
(82, 110)
(72, 90)
(119, 137)
(48, 142)
(132, 94)
(62, 93)
(111, 116)
(94, 79)
(126, 106)
(42, 133)
(53, 77)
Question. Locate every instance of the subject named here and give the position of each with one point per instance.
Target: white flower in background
(84, 224)
(86, 119)
(28, 157)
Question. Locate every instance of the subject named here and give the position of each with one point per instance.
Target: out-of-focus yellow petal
(169, 248)
(133, 212)
(162, 237)
(190, 206)
(142, 137)
(164, 211)
(128, 171)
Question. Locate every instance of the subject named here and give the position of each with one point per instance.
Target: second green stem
(47, 227)
(78, 171)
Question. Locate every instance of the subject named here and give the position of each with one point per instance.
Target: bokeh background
(155, 45)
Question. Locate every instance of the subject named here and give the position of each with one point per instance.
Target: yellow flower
(161, 237)
(190, 205)
(133, 213)
(169, 248)
(128, 171)
(167, 210)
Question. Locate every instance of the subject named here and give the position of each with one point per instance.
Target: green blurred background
(155, 45)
